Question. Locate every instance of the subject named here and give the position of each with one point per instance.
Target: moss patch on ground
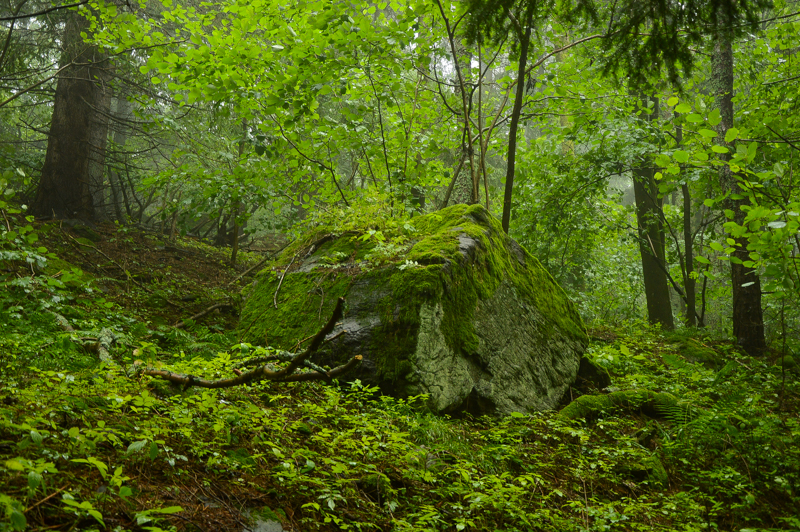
(653, 404)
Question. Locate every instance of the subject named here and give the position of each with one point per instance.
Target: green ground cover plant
(88, 445)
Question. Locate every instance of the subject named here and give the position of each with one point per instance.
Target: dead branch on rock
(275, 299)
(266, 371)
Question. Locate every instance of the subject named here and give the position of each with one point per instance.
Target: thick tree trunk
(65, 189)
(98, 142)
(748, 320)
(649, 217)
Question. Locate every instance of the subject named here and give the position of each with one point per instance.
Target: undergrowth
(89, 445)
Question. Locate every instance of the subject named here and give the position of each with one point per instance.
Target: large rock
(454, 309)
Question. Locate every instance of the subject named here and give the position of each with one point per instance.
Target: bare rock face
(451, 307)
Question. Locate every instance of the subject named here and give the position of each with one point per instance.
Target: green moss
(266, 513)
(448, 272)
(649, 468)
(56, 264)
(284, 327)
(653, 404)
(694, 350)
(789, 363)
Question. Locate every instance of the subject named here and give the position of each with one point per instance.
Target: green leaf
(153, 450)
(719, 149)
(681, 156)
(167, 510)
(702, 260)
(18, 521)
(714, 118)
(683, 108)
(694, 117)
(34, 480)
(731, 135)
(136, 446)
(672, 101)
(708, 133)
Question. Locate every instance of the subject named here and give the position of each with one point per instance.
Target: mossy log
(589, 407)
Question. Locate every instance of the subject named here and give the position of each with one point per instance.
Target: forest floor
(689, 435)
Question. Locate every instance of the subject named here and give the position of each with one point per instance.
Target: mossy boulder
(448, 306)
(590, 407)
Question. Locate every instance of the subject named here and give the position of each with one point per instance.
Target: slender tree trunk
(525, 40)
(689, 281)
(651, 240)
(118, 193)
(65, 187)
(748, 320)
(236, 203)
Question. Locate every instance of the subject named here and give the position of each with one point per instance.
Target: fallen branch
(62, 322)
(101, 345)
(199, 315)
(275, 298)
(266, 371)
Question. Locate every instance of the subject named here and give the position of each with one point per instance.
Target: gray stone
(265, 526)
(462, 313)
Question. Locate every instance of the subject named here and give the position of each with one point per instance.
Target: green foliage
(344, 458)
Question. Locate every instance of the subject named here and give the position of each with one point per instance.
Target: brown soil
(143, 272)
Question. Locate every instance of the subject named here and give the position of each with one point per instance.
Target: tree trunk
(525, 40)
(748, 320)
(689, 281)
(649, 217)
(98, 142)
(118, 193)
(65, 189)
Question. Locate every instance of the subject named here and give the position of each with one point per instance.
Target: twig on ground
(59, 490)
